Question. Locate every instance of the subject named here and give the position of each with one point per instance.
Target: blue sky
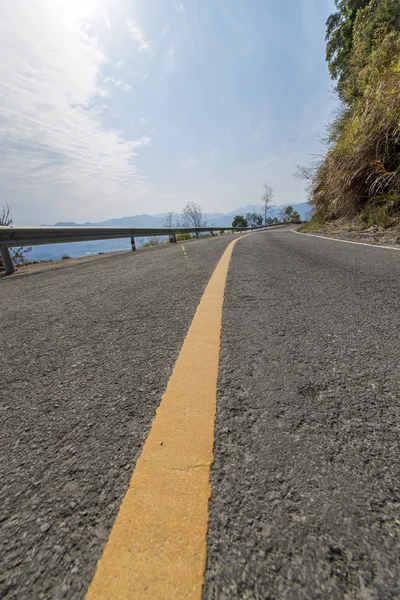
(111, 108)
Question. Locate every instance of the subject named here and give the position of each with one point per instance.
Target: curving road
(306, 482)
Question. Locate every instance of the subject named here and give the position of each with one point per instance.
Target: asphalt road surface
(86, 354)
(306, 481)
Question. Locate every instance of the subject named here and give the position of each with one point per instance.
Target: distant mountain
(218, 219)
(207, 215)
(56, 251)
(136, 221)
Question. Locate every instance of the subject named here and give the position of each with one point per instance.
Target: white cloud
(189, 162)
(118, 83)
(144, 141)
(120, 65)
(123, 85)
(136, 33)
(54, 148)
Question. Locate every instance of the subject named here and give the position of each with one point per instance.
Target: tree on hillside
(239, 221)
(169, 220)
(339, 38)
(266, 199)
(291, 215)
(254, 219)
(282, 213)
(192, 216)
(360, 173)
(362, 40)
(308, 173)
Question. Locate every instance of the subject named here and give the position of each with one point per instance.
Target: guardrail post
(172, 238)
(133, 244)
(7, 260)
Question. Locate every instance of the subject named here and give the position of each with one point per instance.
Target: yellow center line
(158, 545)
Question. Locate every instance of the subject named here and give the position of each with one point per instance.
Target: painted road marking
(324, 237)
(158, 545)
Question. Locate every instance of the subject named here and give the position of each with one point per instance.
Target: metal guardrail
(33, 236)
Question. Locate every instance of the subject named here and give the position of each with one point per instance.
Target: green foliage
(272, 221)
(313, 225)
(339, 38)
(360, 175)
(382, 211)
(152, 242)
(289, 215)
(239, 221)
(182, 237)
(362, 41)
(362, 170)
(254, 219)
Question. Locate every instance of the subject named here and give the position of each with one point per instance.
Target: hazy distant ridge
(56, 251)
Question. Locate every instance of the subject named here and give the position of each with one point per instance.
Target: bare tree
(17, 254)
(192, 216)
(5, 215)
(266, 199)
(306, 172)
(168, 220)
(283, 213)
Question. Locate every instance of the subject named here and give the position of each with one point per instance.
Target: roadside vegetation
(358, 178)
(18, 255)
(152, 242)
(240, 221)
(266, 199)
(287, 215)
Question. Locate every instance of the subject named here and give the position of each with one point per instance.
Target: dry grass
(361, 174)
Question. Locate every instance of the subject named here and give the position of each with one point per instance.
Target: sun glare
(77, 10)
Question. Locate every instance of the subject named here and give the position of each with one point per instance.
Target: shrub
(182, 237)
(239, 221)
(361, 173)
(152, 242)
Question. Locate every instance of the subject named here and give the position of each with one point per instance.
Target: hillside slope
(359, 179)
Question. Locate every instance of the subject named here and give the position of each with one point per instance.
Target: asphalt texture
(86, 354)
(306, 480)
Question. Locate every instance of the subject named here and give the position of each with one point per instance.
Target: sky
(112, 108)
